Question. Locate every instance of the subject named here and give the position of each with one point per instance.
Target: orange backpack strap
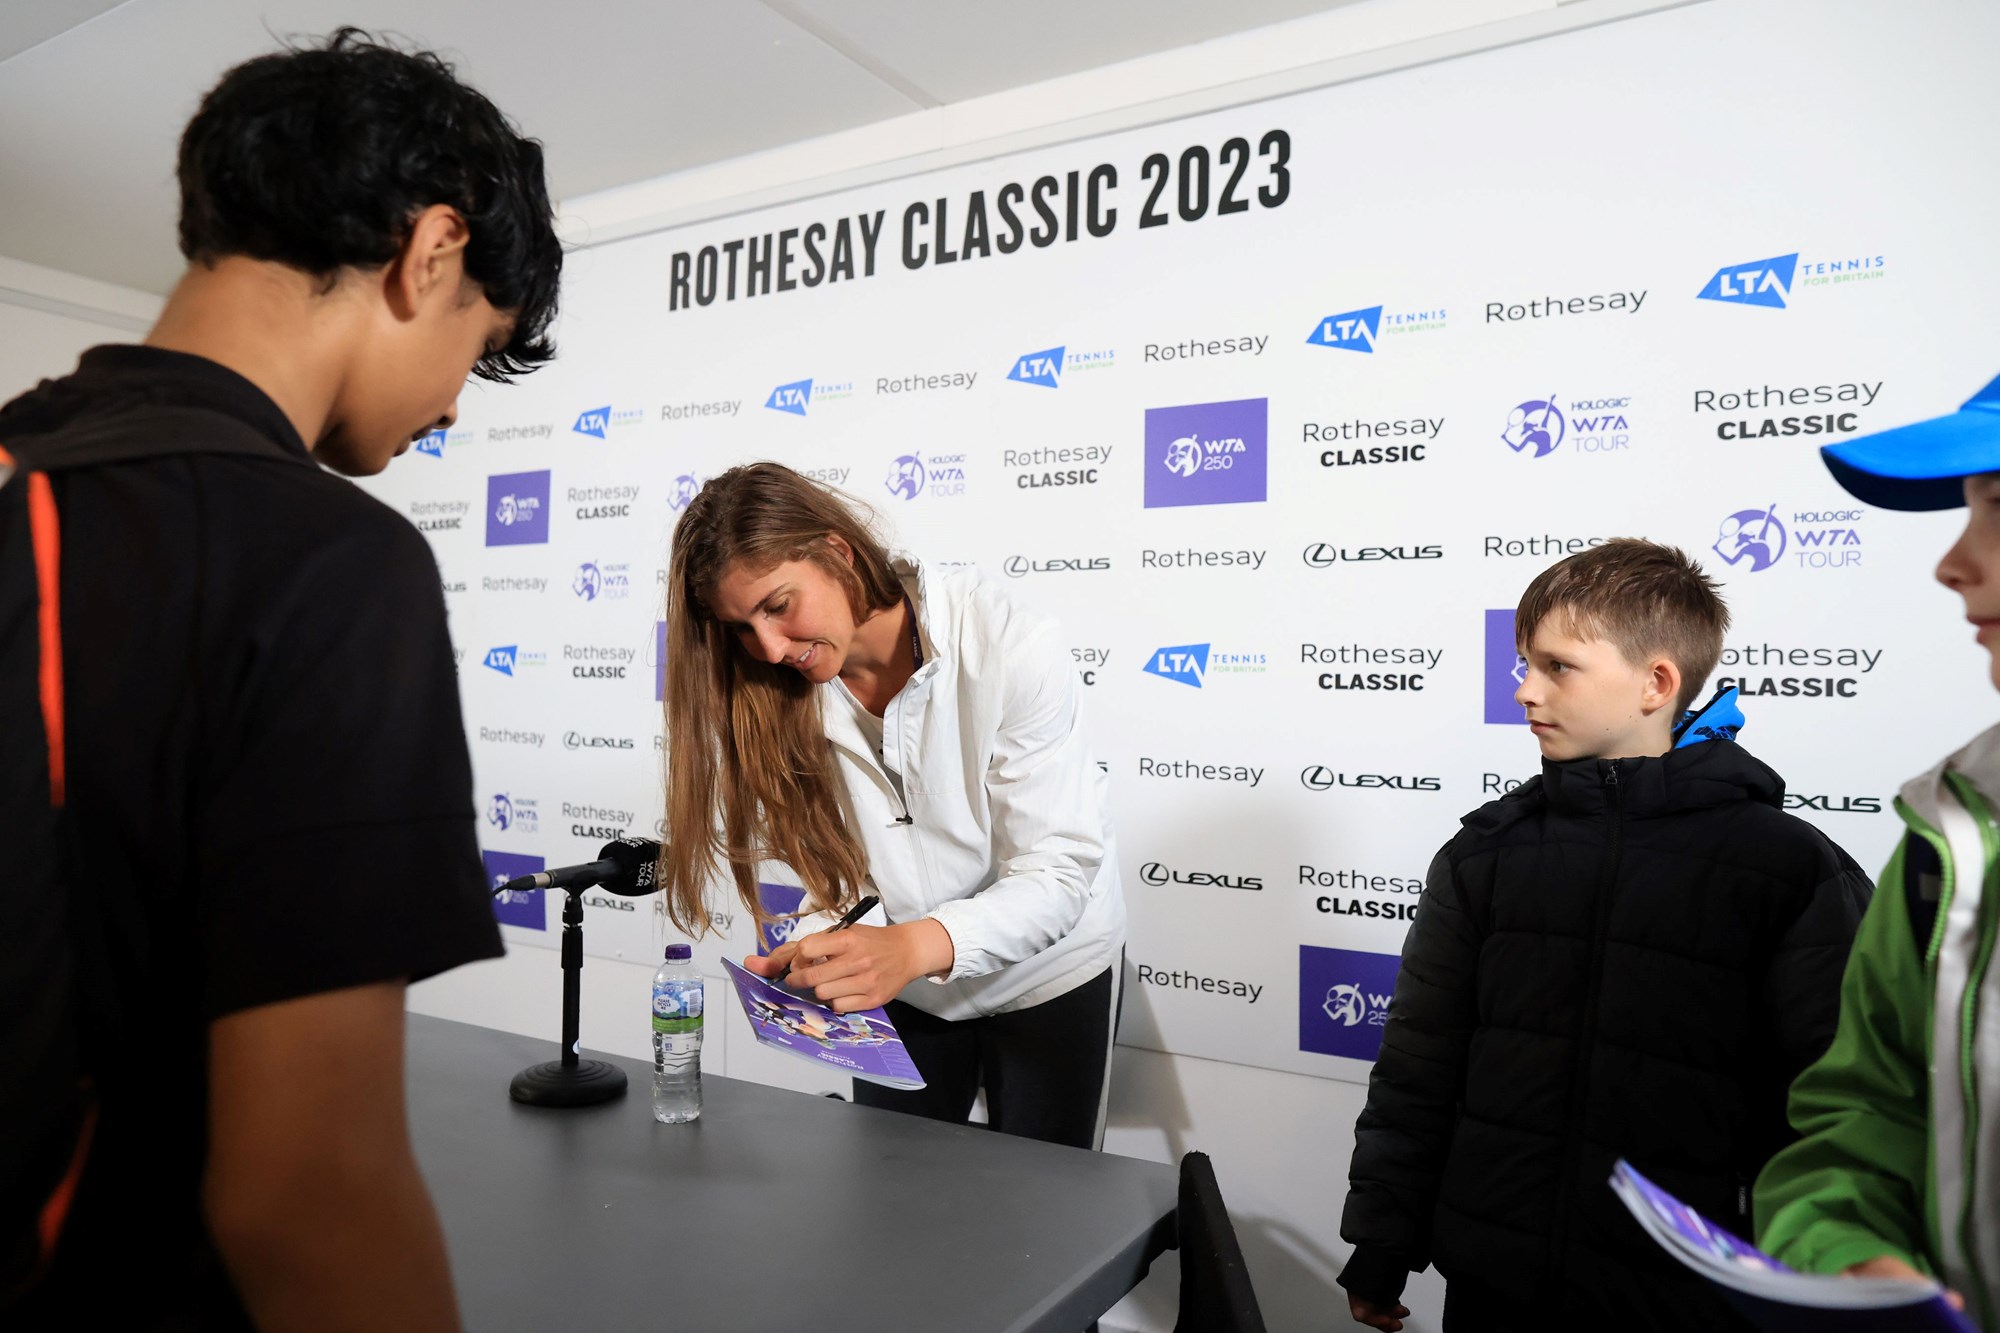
(45, 533)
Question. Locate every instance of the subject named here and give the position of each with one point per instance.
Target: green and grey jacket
(1900, 1120)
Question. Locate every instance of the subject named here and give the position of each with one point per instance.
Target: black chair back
(1216, 1295)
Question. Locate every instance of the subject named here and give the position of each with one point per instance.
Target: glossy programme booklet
(864, 1044)
(1773, 1296)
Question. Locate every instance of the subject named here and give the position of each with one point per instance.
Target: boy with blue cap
(1897, 1172)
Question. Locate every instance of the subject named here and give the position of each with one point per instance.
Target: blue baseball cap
(1920, 466)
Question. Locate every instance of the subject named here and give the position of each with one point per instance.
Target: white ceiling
(94, 92)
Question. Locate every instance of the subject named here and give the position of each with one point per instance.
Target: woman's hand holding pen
(861, 967)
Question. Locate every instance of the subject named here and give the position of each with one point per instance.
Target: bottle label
(676, 1026)
(679, 998)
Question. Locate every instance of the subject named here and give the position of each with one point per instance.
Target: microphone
(628, 867)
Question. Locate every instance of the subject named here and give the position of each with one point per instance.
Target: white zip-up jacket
(985, 809)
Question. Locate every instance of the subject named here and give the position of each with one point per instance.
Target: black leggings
(1044, 1068)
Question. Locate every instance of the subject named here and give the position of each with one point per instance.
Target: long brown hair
(750, 773)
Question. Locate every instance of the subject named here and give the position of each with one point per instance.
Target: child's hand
(1888, 1265)
(1375, 1315)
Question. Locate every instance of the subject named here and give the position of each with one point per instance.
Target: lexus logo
(1019, 566)
(1325, 555)
(1320, 778)
(1155, 873)
(576, 740)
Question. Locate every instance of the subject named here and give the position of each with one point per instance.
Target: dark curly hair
(321, 156)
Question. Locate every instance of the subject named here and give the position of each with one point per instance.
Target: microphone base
(586, 1083)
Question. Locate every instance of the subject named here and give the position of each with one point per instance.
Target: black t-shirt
(267, 772)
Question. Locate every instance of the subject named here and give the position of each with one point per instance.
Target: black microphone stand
(570, 1081)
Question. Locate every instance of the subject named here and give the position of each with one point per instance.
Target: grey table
(774, 1211)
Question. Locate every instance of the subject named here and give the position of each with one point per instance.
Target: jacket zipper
(1580, 1092)
(1975, 981)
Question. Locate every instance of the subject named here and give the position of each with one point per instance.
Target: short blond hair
(1645, 599)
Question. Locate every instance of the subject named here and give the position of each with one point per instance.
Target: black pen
(854, 914)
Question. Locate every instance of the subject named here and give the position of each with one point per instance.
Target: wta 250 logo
(1207, 453)
(516, 909)
(1344, 997)
(517, 509)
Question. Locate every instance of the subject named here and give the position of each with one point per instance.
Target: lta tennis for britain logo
(1770, 282)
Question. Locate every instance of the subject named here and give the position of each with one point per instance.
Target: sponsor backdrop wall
(1278, 409)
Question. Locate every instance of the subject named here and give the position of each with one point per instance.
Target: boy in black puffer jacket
(1629, 956)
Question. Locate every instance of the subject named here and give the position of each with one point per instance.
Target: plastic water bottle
(677, 1004)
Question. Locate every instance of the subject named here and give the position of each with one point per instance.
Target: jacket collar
(119, 378)
(1978, 761)
(921, 585)
(1694, 777)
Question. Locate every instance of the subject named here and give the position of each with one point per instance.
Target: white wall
(47, 318)
(1280, 1142)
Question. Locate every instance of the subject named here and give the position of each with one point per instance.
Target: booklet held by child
(863, 1044)
(1773, 1296)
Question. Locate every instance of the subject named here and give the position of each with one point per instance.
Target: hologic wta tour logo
(1207, 453)
(517, 509)
(607, 581)
(518, 813)
(1538, 427)
(1344, 1000)
(1506, 669)
(941, 477)
(515, 909)
(1535, 427)
(686, 487)
(1752, 539)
